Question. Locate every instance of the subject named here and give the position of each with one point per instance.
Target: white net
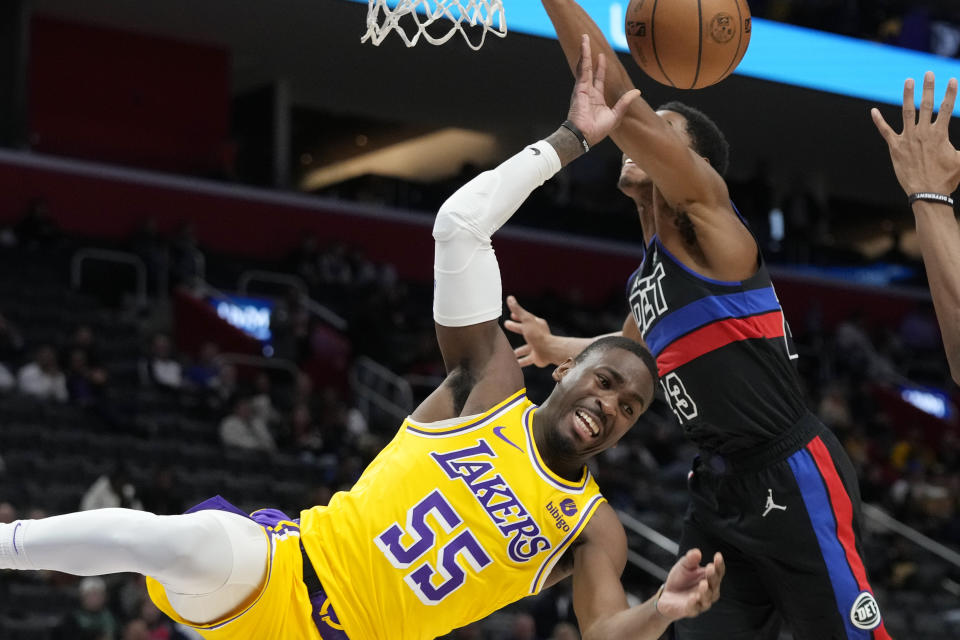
(435, 20)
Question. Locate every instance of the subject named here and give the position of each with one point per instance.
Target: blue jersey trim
(706, 310)
(820, 510)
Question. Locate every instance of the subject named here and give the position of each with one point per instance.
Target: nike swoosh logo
(498, 431)
(536, 152)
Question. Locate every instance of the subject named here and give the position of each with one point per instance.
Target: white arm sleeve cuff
(467, 287)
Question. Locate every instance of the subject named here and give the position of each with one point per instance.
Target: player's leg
(745, 610)
(210, 562)
(824, 589)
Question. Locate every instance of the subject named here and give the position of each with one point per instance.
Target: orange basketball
(688, 44)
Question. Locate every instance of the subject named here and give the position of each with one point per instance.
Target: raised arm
(927, 163)
(481, 368)
(684, 178)
(599, 599)
(645, 137)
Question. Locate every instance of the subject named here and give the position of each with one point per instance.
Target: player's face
(631, 175)
(602, 397)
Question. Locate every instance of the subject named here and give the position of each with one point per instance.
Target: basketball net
(449, 16)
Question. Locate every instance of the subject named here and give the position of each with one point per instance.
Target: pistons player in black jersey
(772, 488)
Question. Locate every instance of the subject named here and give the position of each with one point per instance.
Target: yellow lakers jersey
(452, 521)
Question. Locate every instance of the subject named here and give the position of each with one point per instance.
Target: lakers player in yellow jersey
(481, 499)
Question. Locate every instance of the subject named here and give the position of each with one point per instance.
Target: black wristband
(572, 128)
(926, 196)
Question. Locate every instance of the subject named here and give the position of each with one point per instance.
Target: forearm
(642, 135)
(939, 238)
(467, 287)
(642, 622)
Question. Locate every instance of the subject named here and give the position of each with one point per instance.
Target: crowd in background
(314, 418)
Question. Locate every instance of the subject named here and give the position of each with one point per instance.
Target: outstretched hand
(691, 589)
(534, 330)
(923, 158)
(588, 108)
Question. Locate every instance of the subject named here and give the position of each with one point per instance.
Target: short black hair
(619, 342)
(707, 138)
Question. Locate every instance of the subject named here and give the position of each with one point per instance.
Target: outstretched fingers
(909, 106)
(946, 107)
(585, 64)
(926, 99)
(601, 74)
(888, 133)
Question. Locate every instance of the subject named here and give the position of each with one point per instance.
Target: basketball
(688, 44)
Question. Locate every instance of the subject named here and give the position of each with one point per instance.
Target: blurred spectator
(85, 384)
(161, 367)
(42, 378)
(204, 374)
(306, 436)
(111, 490)
(242, 429)
(84, 339)
(290, 327)
(92, 619)
(262, 401)
(219, 398)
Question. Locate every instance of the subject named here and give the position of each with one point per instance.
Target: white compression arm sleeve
(467, 286)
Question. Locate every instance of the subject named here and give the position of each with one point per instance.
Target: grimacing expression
(633, 176)
(602, 397)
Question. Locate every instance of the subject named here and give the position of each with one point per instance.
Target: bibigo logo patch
(865, 613)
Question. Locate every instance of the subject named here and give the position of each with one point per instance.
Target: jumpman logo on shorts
(771, 505)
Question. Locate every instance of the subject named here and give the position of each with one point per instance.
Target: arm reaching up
(481, 367)
(662, 149)
(927, 163)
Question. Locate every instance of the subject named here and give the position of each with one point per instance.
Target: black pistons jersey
(723, 349)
